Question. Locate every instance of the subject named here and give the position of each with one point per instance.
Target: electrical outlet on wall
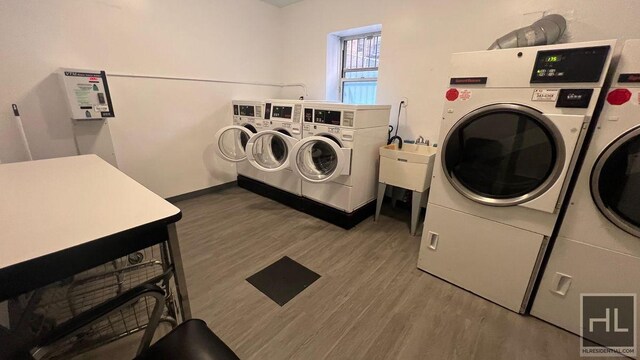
(405, 100)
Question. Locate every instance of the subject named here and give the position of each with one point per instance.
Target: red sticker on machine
(452, 94)
(618, 96)
(465, 94)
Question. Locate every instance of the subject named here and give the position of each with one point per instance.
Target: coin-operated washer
(90, 107)
(268, 150)
(337, 160)
(231, 141)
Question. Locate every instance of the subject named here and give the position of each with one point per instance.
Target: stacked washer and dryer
(598, 245)
(326, 165)
(513, 125)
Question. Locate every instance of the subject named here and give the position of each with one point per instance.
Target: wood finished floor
(370, 303)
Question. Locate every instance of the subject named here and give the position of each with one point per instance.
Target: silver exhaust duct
(547, 30)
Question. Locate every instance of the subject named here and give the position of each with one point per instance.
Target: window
(359, 71)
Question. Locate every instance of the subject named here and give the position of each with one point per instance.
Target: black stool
(191, 340)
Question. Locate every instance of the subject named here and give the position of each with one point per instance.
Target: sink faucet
(421, 141)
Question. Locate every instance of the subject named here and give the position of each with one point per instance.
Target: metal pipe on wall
(547, 30)
(157, 77)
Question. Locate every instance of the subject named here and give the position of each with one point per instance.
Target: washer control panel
(319, 116)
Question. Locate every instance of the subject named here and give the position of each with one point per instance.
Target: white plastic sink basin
(410, 167)
(421, 154)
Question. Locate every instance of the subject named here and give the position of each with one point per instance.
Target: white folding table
(59, 217)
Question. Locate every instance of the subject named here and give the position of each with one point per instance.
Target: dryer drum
(615, 182)
(503, 155)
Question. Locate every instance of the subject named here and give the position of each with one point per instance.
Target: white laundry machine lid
(615, 182)
(230, 142)
(503, 154)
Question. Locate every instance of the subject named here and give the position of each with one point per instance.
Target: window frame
(343, 71)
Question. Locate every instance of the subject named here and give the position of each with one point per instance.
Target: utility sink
(410, 167)
(422, 154)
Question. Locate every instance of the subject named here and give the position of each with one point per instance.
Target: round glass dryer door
(615, 182)
(269, 150)
(319, 158)
(231, 142)
(503, 155)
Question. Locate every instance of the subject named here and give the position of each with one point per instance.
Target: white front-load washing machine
(268, 150)
(337, 157)
(513, 124)
(231, 141)
(597, 250)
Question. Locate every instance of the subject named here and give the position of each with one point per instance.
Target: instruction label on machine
(545, 95)
(465, 94)
(87, 93)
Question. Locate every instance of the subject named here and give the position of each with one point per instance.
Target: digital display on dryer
(581, 65)
(247, 110)
(283, 112)
(327, 117)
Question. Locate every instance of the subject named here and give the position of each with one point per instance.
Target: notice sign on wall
(87, 93)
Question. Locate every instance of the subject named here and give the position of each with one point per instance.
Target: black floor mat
(283, 280)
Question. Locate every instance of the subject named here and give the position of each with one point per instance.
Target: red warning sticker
(465, 94)
(452, 94)
(619, 96)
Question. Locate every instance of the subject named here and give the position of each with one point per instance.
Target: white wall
(418, 37)
(163, 129)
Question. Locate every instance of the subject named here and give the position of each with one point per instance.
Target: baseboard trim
(268, 191)
(197, 193)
